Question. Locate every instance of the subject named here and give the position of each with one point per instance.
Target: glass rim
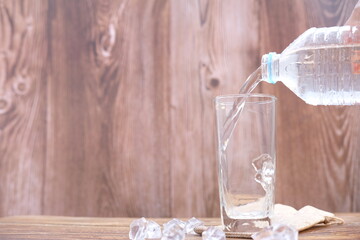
(267, 98)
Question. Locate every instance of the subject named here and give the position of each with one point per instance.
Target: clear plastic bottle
(322, 66)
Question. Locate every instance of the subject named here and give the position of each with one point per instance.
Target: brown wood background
(106, 106)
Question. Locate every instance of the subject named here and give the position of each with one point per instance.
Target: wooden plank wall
(106, 106)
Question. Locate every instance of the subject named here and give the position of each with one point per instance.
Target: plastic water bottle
(322, 66)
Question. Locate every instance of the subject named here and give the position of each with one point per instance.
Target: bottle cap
(267, 67)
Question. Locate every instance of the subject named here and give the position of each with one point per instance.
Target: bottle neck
(270, 67)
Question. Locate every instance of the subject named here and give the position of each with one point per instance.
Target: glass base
(244, 225)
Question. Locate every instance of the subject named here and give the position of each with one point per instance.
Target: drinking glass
(246, 160)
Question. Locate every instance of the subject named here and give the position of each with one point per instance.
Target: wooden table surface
(51, 227)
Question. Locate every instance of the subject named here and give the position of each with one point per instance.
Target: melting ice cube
(142, 228)
(176, 221)
(264, 168)
(174, 230)
(191, 224)
(138, 229)
(153, 230)
(213, 233)
(277, 232)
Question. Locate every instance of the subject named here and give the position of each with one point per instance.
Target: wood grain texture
(108, 140)
(23, 55)
(35, 227)
(106, 107)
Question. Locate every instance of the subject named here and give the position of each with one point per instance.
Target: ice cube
(153, 230)
(277, 232)
(191, 224)
(138, 229)
(176, 221)
(268, 172)
(265, 170)
(174, 230)
(259, 161)
(213, 233)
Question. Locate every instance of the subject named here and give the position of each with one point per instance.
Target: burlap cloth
(302, 219)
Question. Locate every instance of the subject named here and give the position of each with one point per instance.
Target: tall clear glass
(246, 161)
